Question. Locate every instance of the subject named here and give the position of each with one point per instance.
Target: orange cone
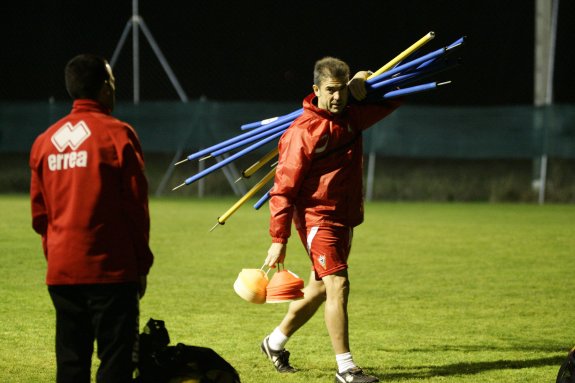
(284, 286)
(251, 285)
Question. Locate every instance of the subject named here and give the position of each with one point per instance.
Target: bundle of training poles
(397, 78)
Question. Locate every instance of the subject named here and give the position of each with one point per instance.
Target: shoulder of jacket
(312, 123)
(119, 127)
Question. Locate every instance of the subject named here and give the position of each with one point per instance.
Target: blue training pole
(249, 140)
(273, 121)
(231, 158)
(262, 200)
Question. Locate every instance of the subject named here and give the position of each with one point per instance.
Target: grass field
(439, 292)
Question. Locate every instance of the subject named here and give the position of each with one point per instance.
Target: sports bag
(161, 363)
(567, 370)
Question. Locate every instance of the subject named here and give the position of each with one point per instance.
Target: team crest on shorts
(321, 260)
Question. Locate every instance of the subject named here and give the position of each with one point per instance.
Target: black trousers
(105, 313)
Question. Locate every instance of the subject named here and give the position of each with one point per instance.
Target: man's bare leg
(302, 310)
(299, 312)
(336, 320)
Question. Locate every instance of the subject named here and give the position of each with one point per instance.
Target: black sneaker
(280, 359)
(354, 375)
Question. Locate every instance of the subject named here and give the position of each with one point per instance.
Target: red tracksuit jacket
(89, 199)
(319, 176)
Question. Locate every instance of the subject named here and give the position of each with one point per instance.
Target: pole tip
(216, 225)
(179, 186)
(205, 157)
(180, 162)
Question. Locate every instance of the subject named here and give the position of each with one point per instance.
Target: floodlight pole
(134, 24)
(546, 14)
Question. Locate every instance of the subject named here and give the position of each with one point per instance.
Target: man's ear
(106, 95)
(316, 90)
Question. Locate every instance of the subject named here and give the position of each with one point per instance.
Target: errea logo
(70, 135)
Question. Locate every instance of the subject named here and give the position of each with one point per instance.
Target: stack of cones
(253, 286)
(284, 286)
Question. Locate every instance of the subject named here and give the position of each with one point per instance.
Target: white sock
(277, 340)
(344, 362)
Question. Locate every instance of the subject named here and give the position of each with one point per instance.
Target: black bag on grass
(567, 370)
(161, 363)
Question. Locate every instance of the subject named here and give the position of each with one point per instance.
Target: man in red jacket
(318, 185)
(89, 197)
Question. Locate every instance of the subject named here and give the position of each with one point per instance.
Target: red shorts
(328, 248)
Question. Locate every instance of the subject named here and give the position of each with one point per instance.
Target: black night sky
(265, 50)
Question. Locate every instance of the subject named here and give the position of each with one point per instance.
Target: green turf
(439, 292)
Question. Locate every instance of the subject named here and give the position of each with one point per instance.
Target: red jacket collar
(87, 105)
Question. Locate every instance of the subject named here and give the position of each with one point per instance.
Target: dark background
(265, 50)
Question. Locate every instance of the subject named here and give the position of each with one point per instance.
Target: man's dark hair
(330, 67)
(85, 74)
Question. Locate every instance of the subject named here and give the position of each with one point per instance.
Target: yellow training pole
(222, 219)
(418, 44)
(259, 163)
